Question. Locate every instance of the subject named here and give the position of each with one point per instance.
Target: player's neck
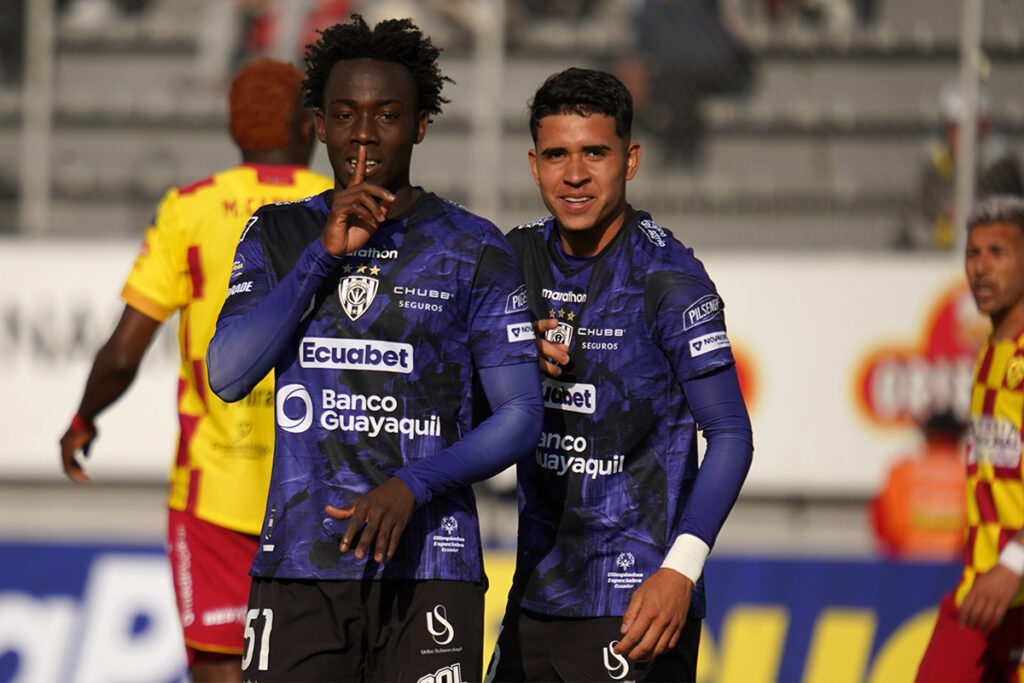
(1009, 324)
(591, 241)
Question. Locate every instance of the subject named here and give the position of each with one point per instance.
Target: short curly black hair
(392, 40)
(583, 92)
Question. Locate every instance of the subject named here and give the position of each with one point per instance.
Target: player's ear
(632, 159)
(533, 165)
(422, 119)
(318, 118)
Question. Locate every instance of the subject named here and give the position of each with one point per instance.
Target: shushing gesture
(356, 211)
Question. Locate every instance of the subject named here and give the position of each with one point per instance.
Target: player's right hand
(356, 211)
(552, 355)
(73, 441)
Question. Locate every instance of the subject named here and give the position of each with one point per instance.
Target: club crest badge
(356, 293)
(560, 335)
(1015, 372)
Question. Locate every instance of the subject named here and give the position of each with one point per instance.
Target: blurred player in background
(616, 520)
(979, 635)
(389, 315)
(224, 453)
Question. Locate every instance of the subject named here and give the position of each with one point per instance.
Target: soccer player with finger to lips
(405, 371)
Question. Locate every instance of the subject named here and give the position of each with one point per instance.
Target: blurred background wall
(806, 149)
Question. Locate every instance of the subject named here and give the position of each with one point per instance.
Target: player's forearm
(107, 382)
(718, 407)
(246, 346)
(117, 362)
(499, 441)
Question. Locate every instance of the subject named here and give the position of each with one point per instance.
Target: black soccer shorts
(538, 647)
(391, 630)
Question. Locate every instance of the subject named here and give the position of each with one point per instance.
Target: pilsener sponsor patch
(708, 343)
(702, 310)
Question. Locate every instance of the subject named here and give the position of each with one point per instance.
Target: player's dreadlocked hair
(583, 92)
(262, 102)
(392, 40)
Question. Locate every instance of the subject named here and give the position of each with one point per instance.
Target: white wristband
(1012, 557)
(687, 556)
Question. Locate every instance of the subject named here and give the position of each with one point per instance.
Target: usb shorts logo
(614, 663)
(294, 423)
(440, 629)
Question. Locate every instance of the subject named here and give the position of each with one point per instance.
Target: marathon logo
(355, 354)
(519, 331)
(708, 343)
(516, 301)
(704, 309)
(239, 288)
(564, 297)
(373, 252)
(573, 398)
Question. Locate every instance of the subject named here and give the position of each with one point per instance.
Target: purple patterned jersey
(603, 498)
(380, 373)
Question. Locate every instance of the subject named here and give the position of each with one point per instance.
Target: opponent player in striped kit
(615, 517)
(391, 317)
(979, 635)
(224, 452)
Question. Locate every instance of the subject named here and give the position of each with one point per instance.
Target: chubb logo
(294, 408)
(356, 293)
(574, 398)
(355, 354)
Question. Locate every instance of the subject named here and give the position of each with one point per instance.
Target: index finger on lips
(360, 173)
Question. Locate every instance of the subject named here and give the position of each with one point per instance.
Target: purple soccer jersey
(380, 374)
(603, 498)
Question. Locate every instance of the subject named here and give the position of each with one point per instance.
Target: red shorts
(210, 565)
(958, 653)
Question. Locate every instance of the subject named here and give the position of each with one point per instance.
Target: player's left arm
(513, 392)
(502, 345)
(990, 596)
(657, 609)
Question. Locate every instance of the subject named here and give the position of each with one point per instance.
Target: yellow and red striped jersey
(995, 478)
(224, 453)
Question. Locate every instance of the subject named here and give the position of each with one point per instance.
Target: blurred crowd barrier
(108, 616)
(766, 124)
